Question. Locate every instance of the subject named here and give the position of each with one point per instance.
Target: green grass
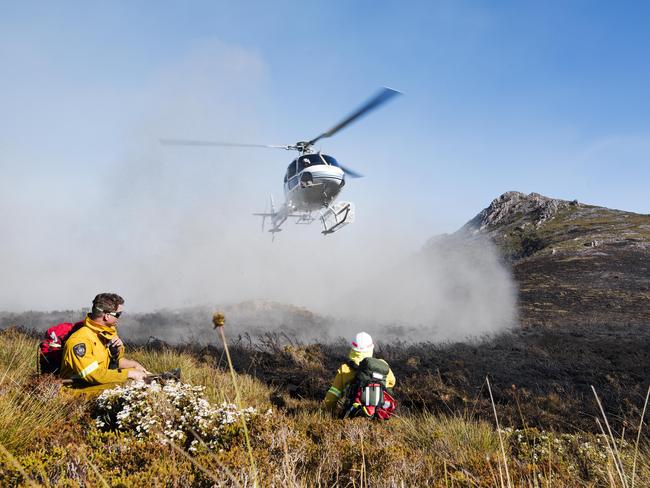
(570, 228)
(591, 221)
(49, 439)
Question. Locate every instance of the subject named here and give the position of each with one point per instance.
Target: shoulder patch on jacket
(79, 350)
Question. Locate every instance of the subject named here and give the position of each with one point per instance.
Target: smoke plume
(171, 228)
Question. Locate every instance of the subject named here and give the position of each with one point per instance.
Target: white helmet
(362, 342)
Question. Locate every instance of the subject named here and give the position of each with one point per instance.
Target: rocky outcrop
(516, 207)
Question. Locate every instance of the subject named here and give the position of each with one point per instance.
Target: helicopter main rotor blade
(382, 97)
(349, 172)
(189, 142)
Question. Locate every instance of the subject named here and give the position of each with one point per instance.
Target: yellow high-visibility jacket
(86, 357)
(344, 377)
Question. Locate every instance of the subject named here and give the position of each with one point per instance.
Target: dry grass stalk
(550, 474)
(612, 457)
(214, 457)
(492, 473)
(13, 357)
(180, 451)
(503, 450)
(94, 468)
(219, 320)
(363, 464)
(638, 437)
(614, 450)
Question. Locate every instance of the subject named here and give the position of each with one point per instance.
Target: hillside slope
(574, 263)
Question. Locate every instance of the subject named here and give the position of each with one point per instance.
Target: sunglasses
(114, 314)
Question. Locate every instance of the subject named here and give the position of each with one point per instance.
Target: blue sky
(547, 97)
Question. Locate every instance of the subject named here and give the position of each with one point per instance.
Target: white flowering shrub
(586, 453)
(174, 412)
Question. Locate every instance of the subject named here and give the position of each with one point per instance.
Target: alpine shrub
(174, 412)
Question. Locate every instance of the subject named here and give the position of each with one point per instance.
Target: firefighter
(361, 347)
(93, 355)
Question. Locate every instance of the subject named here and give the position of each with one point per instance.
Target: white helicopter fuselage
(312, 182)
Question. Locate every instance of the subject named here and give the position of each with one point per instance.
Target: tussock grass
(455, 439)
(27, 416)
(29, 409)
(17, 358)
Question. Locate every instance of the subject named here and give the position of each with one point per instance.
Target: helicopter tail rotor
(278, 217)
(272, 203)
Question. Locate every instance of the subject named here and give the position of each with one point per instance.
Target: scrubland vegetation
(134, 438)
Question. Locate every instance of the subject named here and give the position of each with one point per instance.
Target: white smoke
(453, 289)
(171, 227)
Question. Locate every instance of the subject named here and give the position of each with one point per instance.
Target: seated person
(93, 355)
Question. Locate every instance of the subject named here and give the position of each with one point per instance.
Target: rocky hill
(575, 264)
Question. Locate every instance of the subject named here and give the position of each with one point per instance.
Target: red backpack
(372, 402)
(368, 395)
(50, 350)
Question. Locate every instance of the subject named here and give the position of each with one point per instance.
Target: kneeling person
(93, 355)
(350, 394)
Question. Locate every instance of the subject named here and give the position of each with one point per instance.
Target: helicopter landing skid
(334, 217)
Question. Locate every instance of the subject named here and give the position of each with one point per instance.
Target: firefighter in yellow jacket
(361, 347)
(93, 355)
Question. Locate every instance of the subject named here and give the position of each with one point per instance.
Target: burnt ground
(539, 377)
(609, 284)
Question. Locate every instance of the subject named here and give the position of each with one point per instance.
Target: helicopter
(313, 180)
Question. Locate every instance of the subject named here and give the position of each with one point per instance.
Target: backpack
(368, 395)
(50, 350)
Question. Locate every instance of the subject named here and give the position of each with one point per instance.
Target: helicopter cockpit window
(307, 160)
(330, 160)
(291, 170)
